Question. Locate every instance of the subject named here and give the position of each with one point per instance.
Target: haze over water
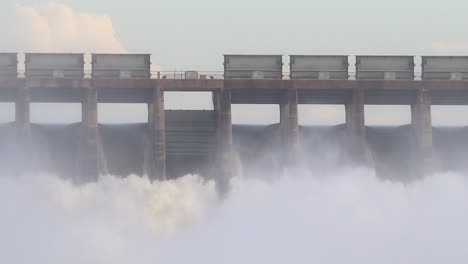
(302, 217)
(323, 212)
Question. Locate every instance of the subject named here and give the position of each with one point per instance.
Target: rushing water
(341, 216)
(326, 211)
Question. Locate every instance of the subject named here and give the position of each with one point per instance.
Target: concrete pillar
(89, 113)
(223, 108)
(215, 95)
(355, 125)
(289, 126)
(23, 130)
(422, 128)
(157, 125)
(216, 108)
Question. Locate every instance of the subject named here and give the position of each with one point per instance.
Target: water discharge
(341, 216)
(329, 211)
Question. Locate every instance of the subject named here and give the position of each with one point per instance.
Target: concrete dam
(176, 142)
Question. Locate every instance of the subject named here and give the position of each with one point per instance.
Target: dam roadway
(353, 94)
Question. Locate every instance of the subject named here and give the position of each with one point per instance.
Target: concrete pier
(91, 133)
(23, 129)
(355, 125)
(422, 129)
(223, 109)
(157, 125)
(290, 126)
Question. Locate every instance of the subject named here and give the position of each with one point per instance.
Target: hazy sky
(183, 34)
(194, 34)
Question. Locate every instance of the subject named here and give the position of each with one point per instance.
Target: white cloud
(57, 27)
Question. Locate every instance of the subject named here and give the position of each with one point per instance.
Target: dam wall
(177, 142)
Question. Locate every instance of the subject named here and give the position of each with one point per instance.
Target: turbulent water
(344, 216)
(323, 212)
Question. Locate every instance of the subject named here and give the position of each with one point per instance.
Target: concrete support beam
(289, 126)
(422, 128)
(215, 95)
(222, 106)
(355, 124)
(23, 130)
(157, 123)
(89, 113)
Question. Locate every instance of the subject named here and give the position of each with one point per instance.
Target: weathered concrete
(91, 133)
(422, 127)
(213, 85)
(215, 96)
(290, 127)
(225, 134)
(157, 125)
(355, 124)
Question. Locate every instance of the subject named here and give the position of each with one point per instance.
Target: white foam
(348, 217)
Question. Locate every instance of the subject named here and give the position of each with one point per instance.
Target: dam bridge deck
(376, 92)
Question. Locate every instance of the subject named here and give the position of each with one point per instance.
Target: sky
(183, 34)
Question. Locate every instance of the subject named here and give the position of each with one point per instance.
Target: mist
(346, 215)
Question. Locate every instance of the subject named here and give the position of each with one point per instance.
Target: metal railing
(183, 75)
(208, 75)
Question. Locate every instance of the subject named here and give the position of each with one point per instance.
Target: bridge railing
(217, 75)
(183, 75)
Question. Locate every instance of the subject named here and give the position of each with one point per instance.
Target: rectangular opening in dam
(188, 101)
(257, 137)
(449, 136)
(265, 114)
(125, 138)
(387, 115)
(320, 132)
(191, 129)
(7, 113)
(56, 137)
(449, 115)
(55, 113)
(321, 115)
(390, 138)
(117, 113)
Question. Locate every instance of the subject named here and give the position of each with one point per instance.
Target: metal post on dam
(193, 136)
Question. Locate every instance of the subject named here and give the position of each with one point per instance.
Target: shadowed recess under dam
(124, 150)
